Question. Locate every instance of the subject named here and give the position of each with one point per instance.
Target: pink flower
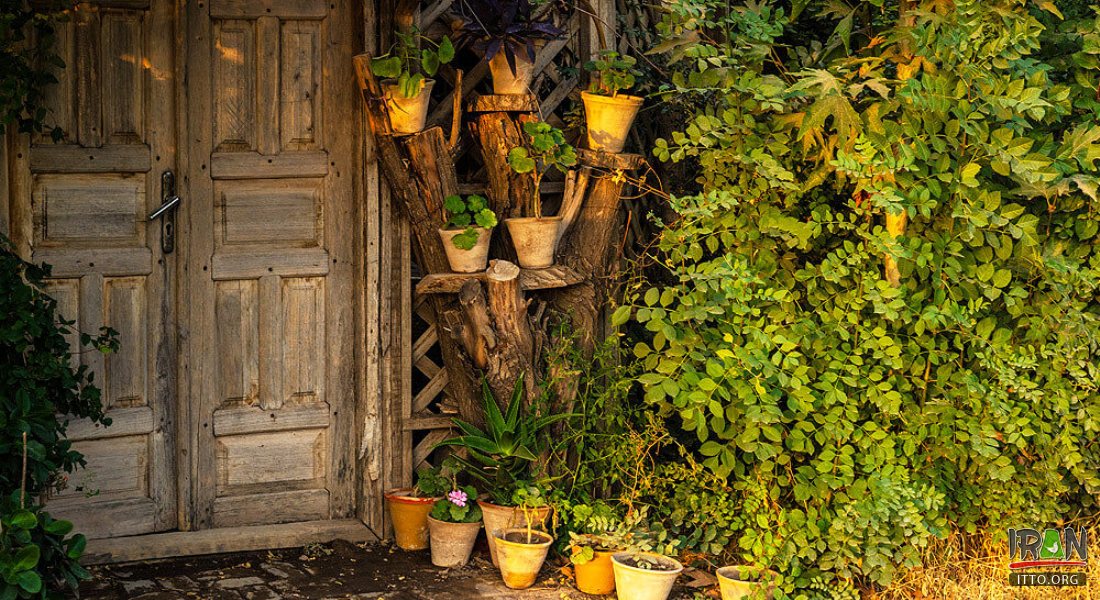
(457, 497)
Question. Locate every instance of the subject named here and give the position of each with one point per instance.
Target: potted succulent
(608, 112)
(535, 237)
(466, 234)
(409, 508)
(644, 575)
(454, 523)
(739, 582)
(507, 31)
(405, 86)
(501, 459)
(521, 551)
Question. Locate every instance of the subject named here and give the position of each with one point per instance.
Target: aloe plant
(501, 455)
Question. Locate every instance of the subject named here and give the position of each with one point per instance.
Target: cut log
(514, 354)
(421, 198)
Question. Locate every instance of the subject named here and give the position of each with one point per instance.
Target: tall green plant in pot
(535, 237)
(502, 459)
(38, 382)
(408, 67)
(609, 112)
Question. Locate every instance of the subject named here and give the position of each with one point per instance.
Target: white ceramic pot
(535, 240)
(451, 542)
(467, 261)
(635, 583)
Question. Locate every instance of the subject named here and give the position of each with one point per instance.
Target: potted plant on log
(406, 88)
(644, 575)
(608, 112)
(454, 523)
(508, 32)
(466, 234)
(501, 458)
(740, 582)
(535, 237)
(409, 508)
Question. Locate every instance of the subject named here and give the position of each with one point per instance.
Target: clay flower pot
(452, 542)
(507, 82)
(739, 581)
(410, 518)
(467, 261)
(636, 583)
(597, 576)
(498, 518)
(407, 115)
(521, 553)
(609, 119)
(535, 240)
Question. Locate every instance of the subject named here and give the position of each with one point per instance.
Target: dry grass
(975, 568)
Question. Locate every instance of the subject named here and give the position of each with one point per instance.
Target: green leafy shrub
(546, 149)
(38, 382)
(851, 419)
(611, 73)
(38, 557)
(28, 59)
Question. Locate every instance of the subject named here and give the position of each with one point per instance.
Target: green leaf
(446, 50)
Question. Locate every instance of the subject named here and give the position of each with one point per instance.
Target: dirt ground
(340, 570)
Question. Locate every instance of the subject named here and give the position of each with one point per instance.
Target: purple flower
(457, 497)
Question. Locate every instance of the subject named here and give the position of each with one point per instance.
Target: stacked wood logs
(493, 324)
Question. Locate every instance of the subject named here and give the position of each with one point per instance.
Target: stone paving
(337, 571)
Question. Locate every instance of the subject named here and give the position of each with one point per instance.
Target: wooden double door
(232, 394)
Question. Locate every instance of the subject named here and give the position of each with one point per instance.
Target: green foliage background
(829, 424)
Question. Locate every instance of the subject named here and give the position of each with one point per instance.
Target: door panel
(271, 300)
(90, 195)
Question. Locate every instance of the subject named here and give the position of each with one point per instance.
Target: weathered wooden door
(90, 195)
(270, 360)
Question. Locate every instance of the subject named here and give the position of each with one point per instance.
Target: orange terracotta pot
(410, 518)
(597, 576)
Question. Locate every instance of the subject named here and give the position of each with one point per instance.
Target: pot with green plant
(508, 33)
(469, 225)
(409, 508)
(534, 236)
(740, 582)
(407, 69)
(521, 550)
(644, 575)
(608, 112)
(598, 533)
(501, 457)
(454, 523)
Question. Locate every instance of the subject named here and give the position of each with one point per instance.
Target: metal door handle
(167, 212)
(169, 204)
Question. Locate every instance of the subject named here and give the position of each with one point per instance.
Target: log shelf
(529, 279)
(492, 324)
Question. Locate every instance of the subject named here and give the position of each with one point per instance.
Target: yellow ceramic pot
(609, 119)
(521, 553)
(596, 576)
(407, 115)
(410, 518)
(498, 518)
